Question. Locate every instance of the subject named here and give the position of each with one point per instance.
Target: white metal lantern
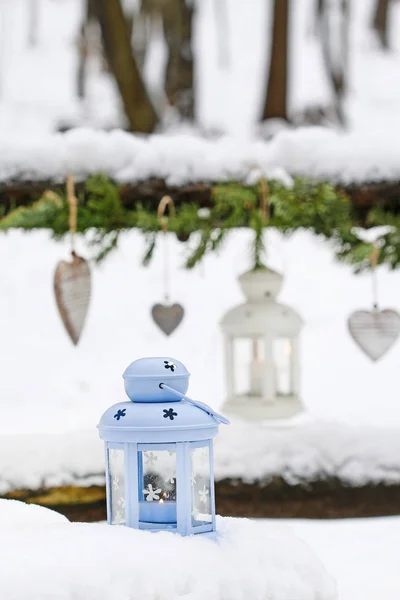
(262, 351)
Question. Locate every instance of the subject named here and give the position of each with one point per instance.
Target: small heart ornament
(374, 331)
(72, 286)
(167, 317)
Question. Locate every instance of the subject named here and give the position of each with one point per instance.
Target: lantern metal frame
(132, 486)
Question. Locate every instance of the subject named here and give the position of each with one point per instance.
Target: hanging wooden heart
(72, 286)
(374, 331)
(167, 317)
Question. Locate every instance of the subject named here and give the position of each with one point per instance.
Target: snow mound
(99, 562)
(14, 513)
(181, 158)
(307, 452)
(253, 452)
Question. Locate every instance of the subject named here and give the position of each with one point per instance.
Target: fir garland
(317, 207)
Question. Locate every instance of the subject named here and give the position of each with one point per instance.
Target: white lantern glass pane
(200, 483)
(157, 486)
(242, 357)
(257, 367)
(116, 466)
(282, 358)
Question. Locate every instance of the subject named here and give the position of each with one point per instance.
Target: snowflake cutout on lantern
(119, 517)
(169, 365)
(193, 479)
(169, 413)
(120, 413)
(150, 458)
(203, 495)
(152, 494)
(115, 483)
(121, 502)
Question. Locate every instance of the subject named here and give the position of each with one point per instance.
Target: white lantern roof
(261, 314)
(260, 284)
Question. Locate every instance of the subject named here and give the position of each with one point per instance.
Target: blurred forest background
(120, 33)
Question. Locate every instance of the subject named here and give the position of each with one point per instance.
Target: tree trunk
(276, 97)
(380, 22)
(177, 23)
(336, 66)
(117, 46)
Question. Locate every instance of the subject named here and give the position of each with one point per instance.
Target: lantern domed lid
(154, 367)
(156, 422)
(261, 314)
(260, 284)
(144, 377)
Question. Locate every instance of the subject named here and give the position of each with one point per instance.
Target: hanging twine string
(164, 202)
(264, 200)
(374, 258)
(73, 210)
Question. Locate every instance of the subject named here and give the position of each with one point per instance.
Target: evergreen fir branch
(317, 207)
(151, 244)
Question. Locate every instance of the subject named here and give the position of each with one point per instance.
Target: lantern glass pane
(157, 486)
(116, 466)
(200, 486)
(248, 366)
(282, 358)
(241, 366)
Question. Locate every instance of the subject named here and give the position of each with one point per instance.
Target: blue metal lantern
(159, 452)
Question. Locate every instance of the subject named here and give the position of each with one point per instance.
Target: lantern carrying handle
(200, 405)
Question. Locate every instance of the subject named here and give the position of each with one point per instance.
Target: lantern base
(156, 528)
(255, 408)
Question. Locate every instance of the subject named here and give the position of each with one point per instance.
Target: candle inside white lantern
(282, 357)
(256, 371)
(256, 377)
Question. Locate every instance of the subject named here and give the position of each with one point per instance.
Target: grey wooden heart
(374, 331)
(167, 317)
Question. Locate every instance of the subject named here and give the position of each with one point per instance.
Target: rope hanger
(73, 210)
(164, 202)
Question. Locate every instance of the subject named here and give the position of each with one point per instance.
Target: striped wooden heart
(374, 331)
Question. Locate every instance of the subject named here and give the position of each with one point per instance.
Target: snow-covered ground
(80, 560)
(61, 560)
(362, 554)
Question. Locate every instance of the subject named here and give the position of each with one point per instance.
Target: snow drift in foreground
(18, 514)
(99, 562)
(252, 452)
(180, 158)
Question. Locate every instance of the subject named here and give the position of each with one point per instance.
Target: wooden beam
(363, 196)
